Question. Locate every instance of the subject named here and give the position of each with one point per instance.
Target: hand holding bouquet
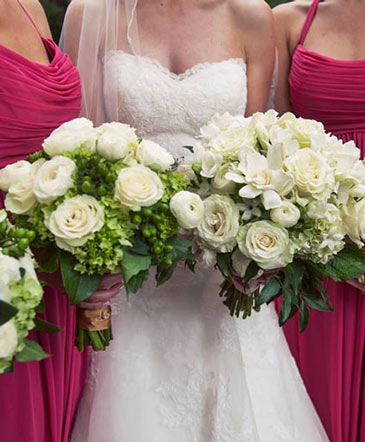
(284, 209)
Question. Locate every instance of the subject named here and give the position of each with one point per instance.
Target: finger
(91, 305)
(109, 281)
(104, 295)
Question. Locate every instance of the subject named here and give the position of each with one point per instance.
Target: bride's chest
(149, 94)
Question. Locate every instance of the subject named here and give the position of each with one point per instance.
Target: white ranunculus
(220, 224)
(76, 133)
(260, 179)
(8, 340)
(75, 220)
(266, 243)
(221, 182)
(312, 175)
(137, 187)
(210, 163)
(302, 130)
(354, 222)
(14, 173)
(153, 155)
(9, 272)
(116, 140)
(188, 208)
(226, 135)
(53, 179)
(240, 262)
(287, 215)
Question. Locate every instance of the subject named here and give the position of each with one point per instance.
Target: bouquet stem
(93, 328)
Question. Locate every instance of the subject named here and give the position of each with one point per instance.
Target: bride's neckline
(182, 75)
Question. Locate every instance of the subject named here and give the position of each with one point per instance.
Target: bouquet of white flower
(101, 196)
(20, 297)
(284, 209)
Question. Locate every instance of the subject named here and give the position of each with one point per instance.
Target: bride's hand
(358, 283)
(109, 288)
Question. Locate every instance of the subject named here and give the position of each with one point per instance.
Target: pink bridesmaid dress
(38, 401)
(330, 353)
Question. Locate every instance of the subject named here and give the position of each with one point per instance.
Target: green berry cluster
(14, 240)
(95, 177)
(154, 226)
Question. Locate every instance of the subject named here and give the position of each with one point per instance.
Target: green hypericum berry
(23, 243)
(137, 219)
(146, 212)
(102, 191)
(3, 227)
(153, 230)
(156, 217)
(87, 178)
(21, 233)
(160, 227)
(168, 249)
(5, 251)
(146, 232)
(30, 235)
(82, 164)
(163, 207)
(87, 187)
(157, 249)
(168, 261)
(109, 178)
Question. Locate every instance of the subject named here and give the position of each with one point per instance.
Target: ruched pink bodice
(39, 400)
(331, 353)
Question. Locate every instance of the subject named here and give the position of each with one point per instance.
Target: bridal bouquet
(284, 209)
(99, 196)
(20, 297)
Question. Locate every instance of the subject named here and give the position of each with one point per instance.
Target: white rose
(220, 224)
(188, 208)
(116, 140)
(226, 135)
(8, 340)
(13, 173)
(312, 175)
(287, 215)
(210, 163)
(354, 222)
(302, 130)
(155, 156)
(21, 199)
(53, 179)
(137, 187)
(9, 272)
(240, 262)
(221, 182)
(75, 220)
(266, 243)
(76, 133)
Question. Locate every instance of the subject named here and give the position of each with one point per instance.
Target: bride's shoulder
(78, 7)
(251, 13)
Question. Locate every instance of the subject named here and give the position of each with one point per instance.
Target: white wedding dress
(180, 369)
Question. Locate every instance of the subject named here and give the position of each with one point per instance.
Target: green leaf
(49, 262)
(181, 249)
(140, 247)
(269, 292)
(7, 311)
(137, 281)
(317, 303)
(132, 264)
(251, 271)
(190, 148)
(303, 316)
(293, 275)
(31, 352)
(78, 287)
(224, 264)
(286, 305)
(45, 326)
(164, 273)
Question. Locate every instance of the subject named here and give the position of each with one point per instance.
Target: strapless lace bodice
(170, 108)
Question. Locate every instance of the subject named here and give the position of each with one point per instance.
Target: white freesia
(249, 209)
(115, 140)
(219, 227)
(188, 208)
(3, 215)
(260, 179)
(8, 340)
(354, 222)
(137, 187)
(221, 182)
(262, 124)
(76, 133)
(302, 129)
(53, 179)
(14, 173)
(312, 175)
(153, 155)
(287, 215)
(240, 262)
(266, 243)
(210, 163)
(75, 220)
(226, 135)
(26, 263)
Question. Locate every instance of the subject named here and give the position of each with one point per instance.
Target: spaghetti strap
(308, 21)
(29, 18)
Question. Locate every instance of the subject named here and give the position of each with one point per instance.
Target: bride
(180, 369)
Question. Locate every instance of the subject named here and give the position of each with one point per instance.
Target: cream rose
(312, 175)
(354, 222)
(76, 133)
(266, 243)
(75, 220)
(155, 156)
(220, 224)
(188, 208)
(137, 187)
(116, 140)
(302, 130)
(14, 173)
(53, 179)
(287, 215)
(221, 182)
(20, 198)
(8, 340)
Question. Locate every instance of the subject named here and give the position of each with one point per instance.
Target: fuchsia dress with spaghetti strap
(38, 400)
(331, 352)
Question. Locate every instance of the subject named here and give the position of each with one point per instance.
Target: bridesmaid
(322, 76)
(39, 90)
